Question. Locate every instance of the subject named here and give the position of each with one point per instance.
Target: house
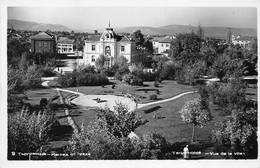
(244, 41)
(42, 43)
(162, 44)
(112, 46)
(65, 45)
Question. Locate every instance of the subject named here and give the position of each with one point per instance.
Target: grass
(169, 124)
(167, 89)
(172, 127)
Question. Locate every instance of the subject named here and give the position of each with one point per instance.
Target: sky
(95, 17)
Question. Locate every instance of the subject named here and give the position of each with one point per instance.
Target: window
(162, 45)
(45, 44)
(108, 50)
(167, 45)
(39, 44)
(93, 48)
(93, 58)
(122, 48)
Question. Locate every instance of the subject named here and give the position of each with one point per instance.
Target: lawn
(172, 127)
(167, 89)
(170, 124)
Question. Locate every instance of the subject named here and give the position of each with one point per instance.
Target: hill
(25, 25)
(217, 32)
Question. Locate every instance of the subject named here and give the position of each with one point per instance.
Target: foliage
(196, 112)
(100, 62)
(153, 97)
(121, 71)
(119, 122)
(107, 138)
(185, 47)
(238, 133)
(121, 61)
(80, 78)
(138, 37)
(28, 133)
(228, 96)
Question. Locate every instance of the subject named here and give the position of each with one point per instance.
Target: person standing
(186, 152)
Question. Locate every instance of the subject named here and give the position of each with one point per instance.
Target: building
(65, 45)
(244, 41)
(42, 43)
(112, 46)
(162, 45)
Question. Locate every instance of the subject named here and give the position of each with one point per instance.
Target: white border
(74, 3)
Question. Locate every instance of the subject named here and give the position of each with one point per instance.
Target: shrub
(156, 84)
(157, 91)
(28, 133)
(153, 97)
(80, 78)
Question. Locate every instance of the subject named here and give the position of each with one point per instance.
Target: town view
(120, 87)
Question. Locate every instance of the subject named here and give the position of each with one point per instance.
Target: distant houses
(244, 41)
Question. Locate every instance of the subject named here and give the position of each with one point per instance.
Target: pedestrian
(186, 152)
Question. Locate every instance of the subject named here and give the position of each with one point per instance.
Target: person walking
(186, 152)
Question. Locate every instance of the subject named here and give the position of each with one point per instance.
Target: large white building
(112, 46)
(244, 41)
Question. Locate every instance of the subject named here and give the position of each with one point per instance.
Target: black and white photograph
(134, 81)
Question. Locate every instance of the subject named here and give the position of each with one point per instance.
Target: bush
(153, 97)
(80, 78)
(156, 84)
(28, 133)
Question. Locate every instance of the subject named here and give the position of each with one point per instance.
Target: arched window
(93, 58)
(108, 51)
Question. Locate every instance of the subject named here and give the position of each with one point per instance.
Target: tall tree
(138, 37)
(196, 112)
(228, 36)
(185, 47)
(200, 32)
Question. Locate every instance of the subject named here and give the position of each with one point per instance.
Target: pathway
(85, 99)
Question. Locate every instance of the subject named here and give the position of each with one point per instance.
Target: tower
(228, 35)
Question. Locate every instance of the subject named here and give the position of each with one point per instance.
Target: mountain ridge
(217, 32)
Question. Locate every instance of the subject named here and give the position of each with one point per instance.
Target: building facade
(162, 45)
(112, 46)
(244, 41)
(42, 43)
(65, 45)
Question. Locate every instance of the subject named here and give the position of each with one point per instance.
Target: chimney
(96, 31)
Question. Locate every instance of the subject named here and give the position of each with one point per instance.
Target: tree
(200, 32)
(100, 62)
(138, 37)
(121, 61)
(228, 36)
(185, 47)
(238, 133)
(120, 122)
(196, 112)
(221, 66)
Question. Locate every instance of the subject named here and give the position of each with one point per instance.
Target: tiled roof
(42, 35)
(162, 39)
(65, 40)
(123, 39)
(94, 38)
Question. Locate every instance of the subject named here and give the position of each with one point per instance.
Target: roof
(118, 38)
(163, 39)
(94, 38)
(42, 35)
(246, 38)
(65, 40)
